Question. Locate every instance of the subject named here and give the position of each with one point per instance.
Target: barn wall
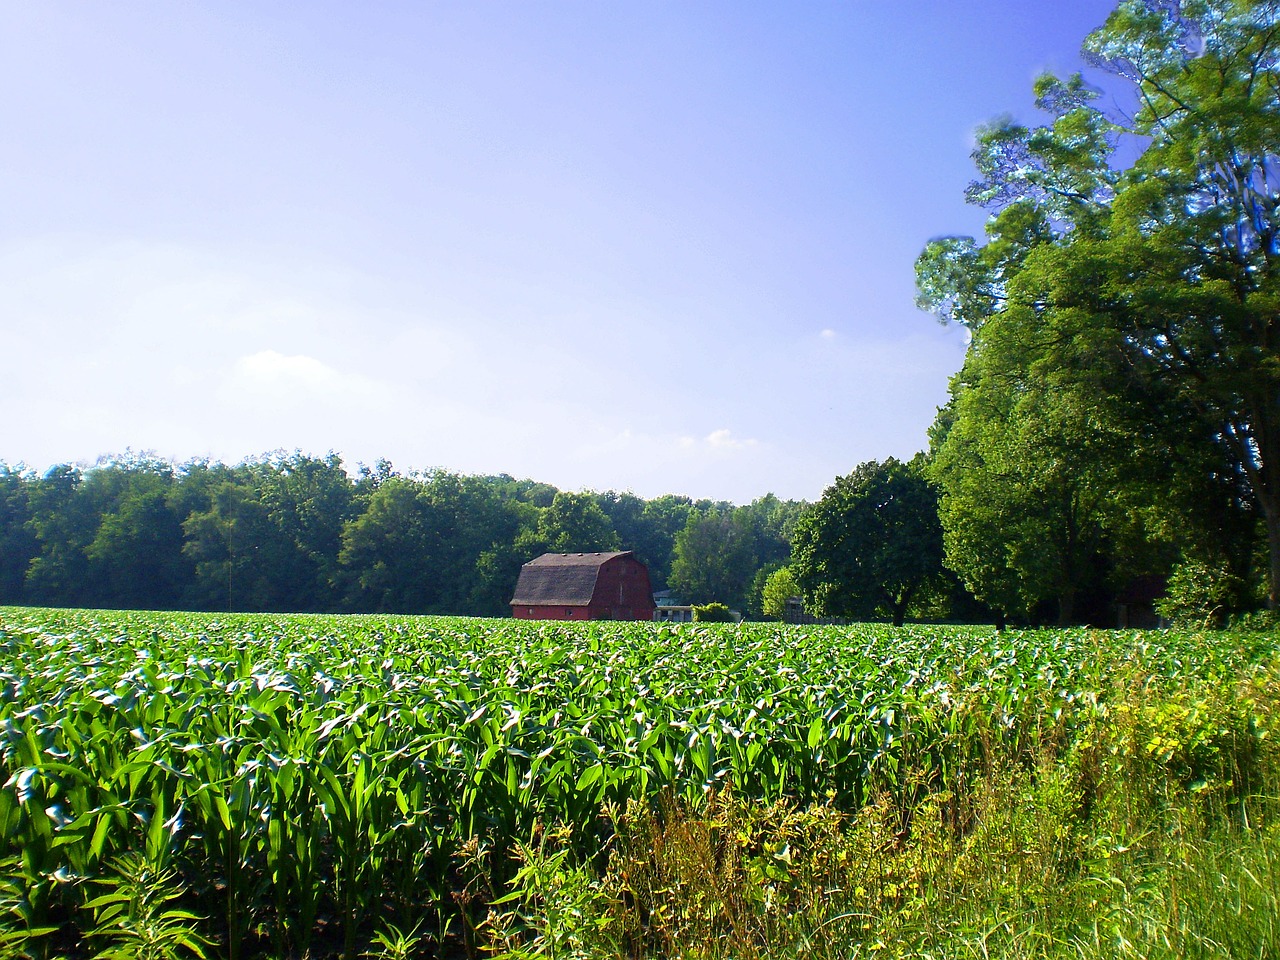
(557, 612)
(622, 591)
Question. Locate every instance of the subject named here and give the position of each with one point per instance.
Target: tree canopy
(1123, 318)
(870, 543)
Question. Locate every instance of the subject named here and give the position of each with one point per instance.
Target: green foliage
(721, 549)
(18, 924)
(870, 543)
(133, 919)
(1256, 621)
(712, 613)
(391, 547)
(1198, 596)
(574, 523)
(664, 517)
(1028, 478)
(780, 587)
(307, 782)
(292, 532)
(18, 544)
(715, 558)
(556, 907)
(1120, 840)
(61, 516)
(1119, 317)
(392, 943)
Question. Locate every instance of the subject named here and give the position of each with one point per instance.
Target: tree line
(293, 532)
(297, 533)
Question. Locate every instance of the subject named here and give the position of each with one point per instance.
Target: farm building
(670, 608)
(583, 586)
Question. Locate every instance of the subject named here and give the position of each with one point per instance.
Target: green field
(292, 785)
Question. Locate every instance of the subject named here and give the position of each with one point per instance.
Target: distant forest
(291, 532)
(299, 533)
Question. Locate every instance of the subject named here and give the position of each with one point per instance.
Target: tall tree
(664, 517)
(626, 513)
(574, 523)
(233, 547)
(18, 543)
(1164, 274)
(870, 543)
(778, 589)
(64, 523)
(390, 550)
(1193, 293)
(307, 501)
(135, 557)
(512, 522)
(715, 557)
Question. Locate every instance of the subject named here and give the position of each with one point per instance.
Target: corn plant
(300, 774)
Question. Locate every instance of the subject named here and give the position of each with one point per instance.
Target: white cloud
(725, 440)
(630, 441)
(717, 464)
(292, 398)
(305, 377)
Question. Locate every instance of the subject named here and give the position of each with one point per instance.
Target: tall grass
(1134, 839)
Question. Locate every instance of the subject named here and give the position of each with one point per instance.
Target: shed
(583, 586)
(1136, 603)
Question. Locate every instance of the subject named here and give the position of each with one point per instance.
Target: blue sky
(660, 247)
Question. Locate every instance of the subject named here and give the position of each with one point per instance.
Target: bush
(1198, 596)
(1256, 621)
(713, 613)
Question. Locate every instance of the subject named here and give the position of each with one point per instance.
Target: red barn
(583, 586)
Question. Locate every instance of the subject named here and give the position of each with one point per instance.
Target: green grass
(1025, 865)
(316, 785)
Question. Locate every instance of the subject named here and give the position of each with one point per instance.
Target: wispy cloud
(717, 441)
(297, 378)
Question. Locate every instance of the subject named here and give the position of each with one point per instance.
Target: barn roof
(567, 579)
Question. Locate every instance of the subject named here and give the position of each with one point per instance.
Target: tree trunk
(900, 604)
(1066, 607)
(1271, 514)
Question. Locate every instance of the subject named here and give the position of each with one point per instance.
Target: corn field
(307, 781)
